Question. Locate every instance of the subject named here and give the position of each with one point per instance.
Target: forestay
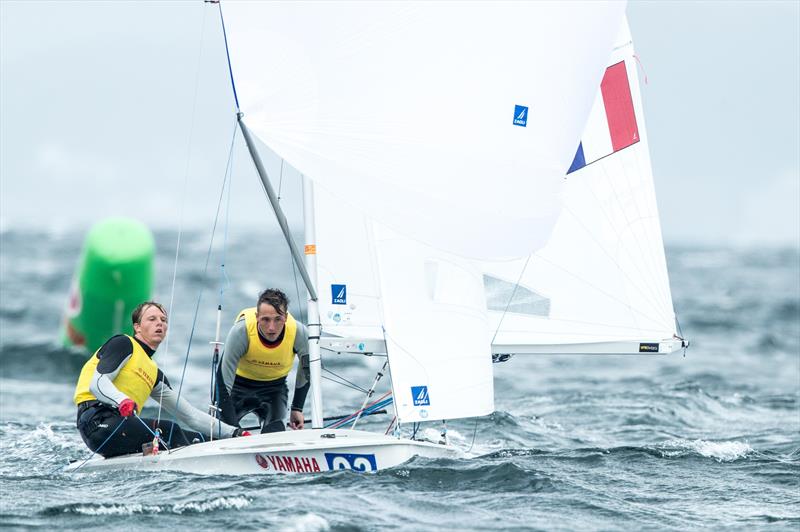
(408, 110)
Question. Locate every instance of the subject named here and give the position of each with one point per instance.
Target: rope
(101, 446)
(374, 406)
(183, 194)
(366, 411)
(224, 281)
(228, 56)
(205, 271)
(156, 433)
(342, 381)
(474, 432)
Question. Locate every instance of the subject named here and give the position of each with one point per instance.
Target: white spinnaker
(435, 318)
(407, 108)
(602, 277)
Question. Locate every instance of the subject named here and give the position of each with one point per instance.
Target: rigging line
(280, 180)
(474, 432)
(378, 403)
(101, 445)
(203, 276)
(344, 382)
(225, 281)
(510, 299)
(183, 193)
(358, 414)
(228, 55)
(341, 383)
(303, 316)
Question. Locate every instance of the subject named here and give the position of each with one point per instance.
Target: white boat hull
(306, 451)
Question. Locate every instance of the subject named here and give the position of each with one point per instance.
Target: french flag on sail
(612, 123)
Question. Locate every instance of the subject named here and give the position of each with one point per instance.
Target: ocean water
(706, 440)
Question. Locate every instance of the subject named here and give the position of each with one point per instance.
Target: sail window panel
(504, 296)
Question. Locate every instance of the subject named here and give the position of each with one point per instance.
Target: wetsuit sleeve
(114, 354)
(236, 346)
(187, 414)
(302, 381)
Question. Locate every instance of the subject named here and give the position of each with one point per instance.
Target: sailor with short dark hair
(258, 356)
(117, 380)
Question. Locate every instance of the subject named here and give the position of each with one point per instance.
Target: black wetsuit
(97, 420)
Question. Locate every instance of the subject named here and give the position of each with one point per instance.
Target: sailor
(258, 356)
(117, 380)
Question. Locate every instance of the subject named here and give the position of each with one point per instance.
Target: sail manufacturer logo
(648, 348)
(420, 395)
(520, 115)
(338, 294)
(356, 462)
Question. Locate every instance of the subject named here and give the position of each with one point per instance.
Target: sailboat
(448, 218)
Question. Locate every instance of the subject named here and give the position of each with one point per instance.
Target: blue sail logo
(520, 115)
(338, 294)
(420, 395)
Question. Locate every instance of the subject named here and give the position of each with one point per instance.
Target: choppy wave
(190, 507)
(710, 440)
(726, 451)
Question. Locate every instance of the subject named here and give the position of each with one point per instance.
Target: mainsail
(451, 124)
(424, 178)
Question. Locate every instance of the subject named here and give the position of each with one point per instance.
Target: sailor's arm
(112, 358)
(236, 346)
(187, 414)
(302, 381)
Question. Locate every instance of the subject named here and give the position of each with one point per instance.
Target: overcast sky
(105, 108)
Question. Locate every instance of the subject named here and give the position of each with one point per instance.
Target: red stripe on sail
(619, 107)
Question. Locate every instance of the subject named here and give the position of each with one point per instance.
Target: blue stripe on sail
(579, 161)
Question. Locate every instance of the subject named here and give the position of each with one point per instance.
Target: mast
(314, 326)
(310, 263)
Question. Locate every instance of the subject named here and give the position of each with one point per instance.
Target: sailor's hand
(241, 432)
(127, 407)
(296, 420)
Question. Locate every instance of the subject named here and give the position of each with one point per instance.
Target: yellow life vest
(136, 378)
(262, 363)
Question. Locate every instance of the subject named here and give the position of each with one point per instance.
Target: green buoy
(115, 273)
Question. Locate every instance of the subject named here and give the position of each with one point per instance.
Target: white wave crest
(222, 503)
(308, 523)
(725, 451)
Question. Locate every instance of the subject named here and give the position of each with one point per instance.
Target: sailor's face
(152, 327)
(270, 321)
